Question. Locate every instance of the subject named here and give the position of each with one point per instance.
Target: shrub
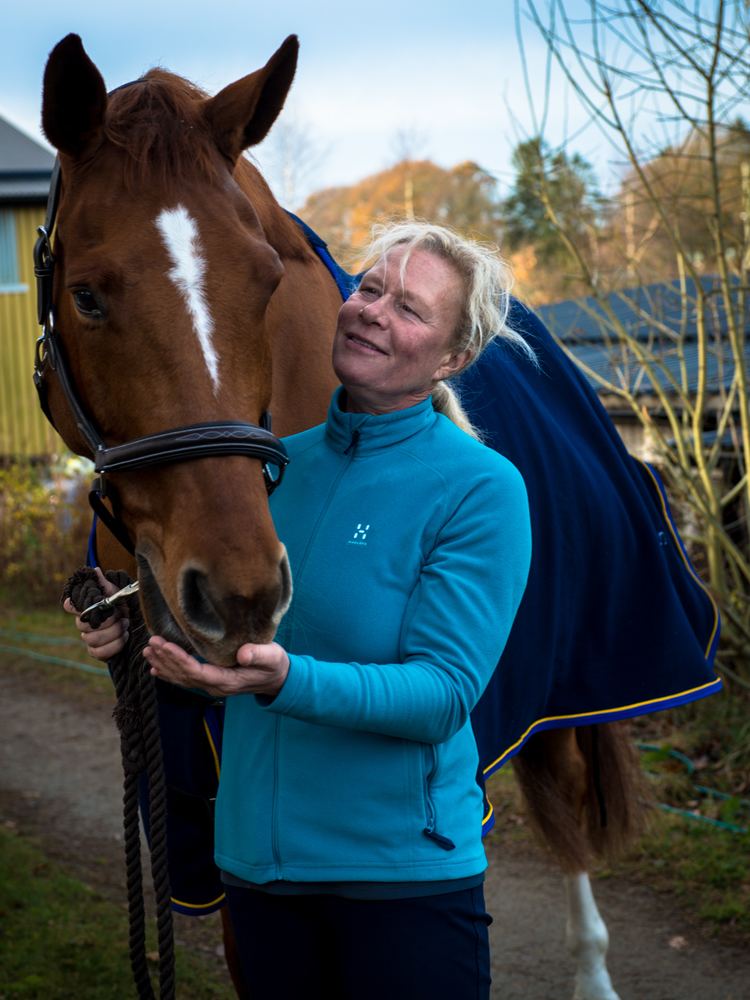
(44, 525)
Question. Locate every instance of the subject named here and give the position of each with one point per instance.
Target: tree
(663, 83)
(464, 197)
(291, 155)
(542, 175)
(680, 177)
(549, 184)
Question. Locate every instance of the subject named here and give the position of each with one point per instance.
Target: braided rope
(136, 715)
(158, 824)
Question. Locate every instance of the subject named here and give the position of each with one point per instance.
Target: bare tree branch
(661, 83)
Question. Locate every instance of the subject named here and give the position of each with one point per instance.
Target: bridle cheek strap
(180, 444)
(109, 519)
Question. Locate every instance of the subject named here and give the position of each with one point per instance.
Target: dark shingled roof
(663, 319)
(25, 166)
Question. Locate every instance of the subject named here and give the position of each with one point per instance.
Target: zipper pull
(352, 446)
(445, 842)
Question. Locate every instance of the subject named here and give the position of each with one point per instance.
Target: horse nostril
(198, 604)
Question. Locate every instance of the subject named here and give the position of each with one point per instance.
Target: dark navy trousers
(325, 947)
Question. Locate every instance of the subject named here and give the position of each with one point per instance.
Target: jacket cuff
(288, 696)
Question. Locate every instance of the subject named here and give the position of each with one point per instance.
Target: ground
(60, 782)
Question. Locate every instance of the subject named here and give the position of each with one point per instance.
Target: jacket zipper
(350, 451)
(431, 829)
(351, 448)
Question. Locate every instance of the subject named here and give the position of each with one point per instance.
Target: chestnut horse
(186, 304)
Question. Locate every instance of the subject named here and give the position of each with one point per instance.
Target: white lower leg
(587, 940)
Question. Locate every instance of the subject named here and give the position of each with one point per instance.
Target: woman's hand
(110, 638)
(261, 669)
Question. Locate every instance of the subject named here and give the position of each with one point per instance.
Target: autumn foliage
(44, 525)
(464, 197)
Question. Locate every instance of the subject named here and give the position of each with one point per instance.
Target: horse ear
(74, 98)
(241, 114)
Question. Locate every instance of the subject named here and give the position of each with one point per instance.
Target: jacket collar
(368, 432)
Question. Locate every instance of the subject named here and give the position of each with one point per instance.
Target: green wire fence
(47, 640)
(739, 806)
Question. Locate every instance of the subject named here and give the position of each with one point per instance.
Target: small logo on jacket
(360, 534)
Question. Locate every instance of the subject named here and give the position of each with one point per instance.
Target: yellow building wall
(24, 432)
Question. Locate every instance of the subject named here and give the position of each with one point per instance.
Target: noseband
(181, 444)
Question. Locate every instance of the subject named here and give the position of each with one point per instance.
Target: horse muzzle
(208, 617)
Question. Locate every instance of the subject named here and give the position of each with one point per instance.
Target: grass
(49, 621)
(51, 634)
(698, 850)
(705, 868)
(62, 940)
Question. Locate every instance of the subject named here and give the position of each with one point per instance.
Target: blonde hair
(487, 282)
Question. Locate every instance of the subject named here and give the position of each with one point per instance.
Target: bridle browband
(181, 444)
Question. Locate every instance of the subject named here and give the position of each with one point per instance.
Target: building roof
(25, 166)
(663, 321)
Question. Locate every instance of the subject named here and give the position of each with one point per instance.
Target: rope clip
(111, 601)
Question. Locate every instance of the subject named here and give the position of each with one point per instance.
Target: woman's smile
(360, 343)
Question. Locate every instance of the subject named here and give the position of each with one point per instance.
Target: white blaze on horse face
(182, 240)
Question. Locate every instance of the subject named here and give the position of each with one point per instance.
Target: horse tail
(617, 795)
(584, 792)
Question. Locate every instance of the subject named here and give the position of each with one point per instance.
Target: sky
(437, 81)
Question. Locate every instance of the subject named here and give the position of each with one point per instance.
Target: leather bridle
(180, 444)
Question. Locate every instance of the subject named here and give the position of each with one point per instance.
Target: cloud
(362, 76)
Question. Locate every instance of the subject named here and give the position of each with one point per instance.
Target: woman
(349, 817)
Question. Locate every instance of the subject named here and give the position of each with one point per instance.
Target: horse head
(169, 263)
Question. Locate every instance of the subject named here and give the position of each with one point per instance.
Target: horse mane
(158, 122)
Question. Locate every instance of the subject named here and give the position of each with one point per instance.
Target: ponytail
(445, 400)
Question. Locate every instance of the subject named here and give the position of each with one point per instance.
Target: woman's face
(394, 337)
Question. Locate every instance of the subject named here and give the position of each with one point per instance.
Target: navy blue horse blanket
(614, 621)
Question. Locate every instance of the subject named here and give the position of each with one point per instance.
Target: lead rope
(136, 716)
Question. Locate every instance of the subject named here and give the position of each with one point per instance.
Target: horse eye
(86, 303)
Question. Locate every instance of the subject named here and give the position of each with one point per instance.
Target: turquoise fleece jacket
(409, 544)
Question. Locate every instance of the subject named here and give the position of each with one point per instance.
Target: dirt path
(60, 781)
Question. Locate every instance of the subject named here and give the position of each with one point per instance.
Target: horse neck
(280, 230)
(301, 318)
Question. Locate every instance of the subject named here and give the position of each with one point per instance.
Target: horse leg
(587, 939)
(553, 771)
